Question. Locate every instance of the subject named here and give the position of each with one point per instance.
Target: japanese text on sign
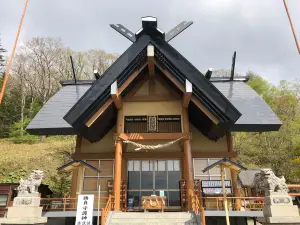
(85, 207)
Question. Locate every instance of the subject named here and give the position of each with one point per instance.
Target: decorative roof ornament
(149, 25)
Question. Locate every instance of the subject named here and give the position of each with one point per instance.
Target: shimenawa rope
(151, 147)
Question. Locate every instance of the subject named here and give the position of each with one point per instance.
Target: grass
(46, 156)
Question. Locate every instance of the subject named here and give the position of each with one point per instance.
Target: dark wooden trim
(186, 99)
(151, 65)
(168, 87)
(78, 143)
(171, 78)
(153, 136)
(229, 142)
(117, 100)
(131, 78)
(142, 80)
(152, 98)
(151, 86)
(193, 98)
(99, 112)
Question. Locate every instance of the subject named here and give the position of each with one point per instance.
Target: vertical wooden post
(118, 163)
(224, 194)
(234, 176)
(188, 161)
(75, 175)
(99, 198)
(74, 183)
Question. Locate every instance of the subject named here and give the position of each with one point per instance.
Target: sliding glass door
(154, 177)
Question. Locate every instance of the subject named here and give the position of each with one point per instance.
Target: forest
(42, 62)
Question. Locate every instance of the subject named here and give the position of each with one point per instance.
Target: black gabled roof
(227, 162)
(70, 166)
(257, 116)
(179, 67)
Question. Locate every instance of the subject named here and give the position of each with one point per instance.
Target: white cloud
(258, 30)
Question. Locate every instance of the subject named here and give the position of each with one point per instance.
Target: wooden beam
(78, 143)
(213, 154)
(205, 110)
(99, 112)
(131, 78)
(171, 78)
(142, 80)
(110, 101)
(153, 98)
(109, 155)
(188, 160)
(153, 155)
(193, 98)
(151, 86)
(115, 95)
(118, 163)
(153, 136)
(129, 155)
(150, 55)
(174, 92)
(234, 175)
(187, 94)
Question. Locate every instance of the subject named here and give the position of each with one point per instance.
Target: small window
(212, 174)
(92, 180)
(3, 200)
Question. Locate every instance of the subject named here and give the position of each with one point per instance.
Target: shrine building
(151, 122)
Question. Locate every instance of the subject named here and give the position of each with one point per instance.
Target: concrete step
(153, 218)
(160, 220)
(183, 215)
(171, 223)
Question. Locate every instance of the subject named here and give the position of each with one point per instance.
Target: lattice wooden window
(150, 124)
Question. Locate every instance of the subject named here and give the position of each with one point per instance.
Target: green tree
(278, 150)
(2, 60)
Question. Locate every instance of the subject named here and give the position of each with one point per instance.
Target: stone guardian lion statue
(31, 184)
(267, 181)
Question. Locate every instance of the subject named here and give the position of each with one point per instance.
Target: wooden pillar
(74, 183)
(75, 177)
(234, 175)
(188, 161)
(118, 163)
(124, 168)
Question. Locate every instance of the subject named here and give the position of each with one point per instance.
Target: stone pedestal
(279, 209)
(25, 210)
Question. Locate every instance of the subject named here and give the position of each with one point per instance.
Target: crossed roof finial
(151, 22)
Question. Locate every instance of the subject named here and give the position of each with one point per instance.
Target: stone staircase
(152, 218)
